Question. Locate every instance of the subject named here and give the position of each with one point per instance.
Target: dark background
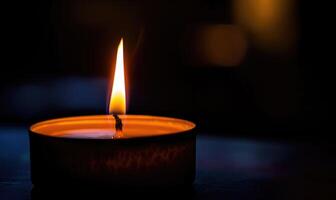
(256, 76)
(253, 67)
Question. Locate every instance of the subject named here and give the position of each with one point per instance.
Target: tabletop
(227, 168)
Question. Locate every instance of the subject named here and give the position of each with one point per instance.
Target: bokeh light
(219, 45)
(270, 22)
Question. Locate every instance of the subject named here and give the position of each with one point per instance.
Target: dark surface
(227, 168)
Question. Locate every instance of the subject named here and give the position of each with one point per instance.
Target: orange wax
(103, 127)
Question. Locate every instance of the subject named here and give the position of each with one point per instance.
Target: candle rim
(90, 118)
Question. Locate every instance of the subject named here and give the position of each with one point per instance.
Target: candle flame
(118, 95)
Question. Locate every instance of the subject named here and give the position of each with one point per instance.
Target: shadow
(38, 193)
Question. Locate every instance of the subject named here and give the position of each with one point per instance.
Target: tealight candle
(118, 150)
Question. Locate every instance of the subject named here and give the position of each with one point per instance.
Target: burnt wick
(118, 123)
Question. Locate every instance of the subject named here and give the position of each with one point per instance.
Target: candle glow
(147, 151)
(117, 103)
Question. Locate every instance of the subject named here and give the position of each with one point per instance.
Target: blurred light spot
(241, 155)
(79, 93)
(220, 45)
(28, 100)
(101, 13)
(270, 22)
(68, 94)
(14, 154)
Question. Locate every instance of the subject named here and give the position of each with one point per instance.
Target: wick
(118, 124)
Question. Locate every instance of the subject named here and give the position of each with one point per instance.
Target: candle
(114, 149)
